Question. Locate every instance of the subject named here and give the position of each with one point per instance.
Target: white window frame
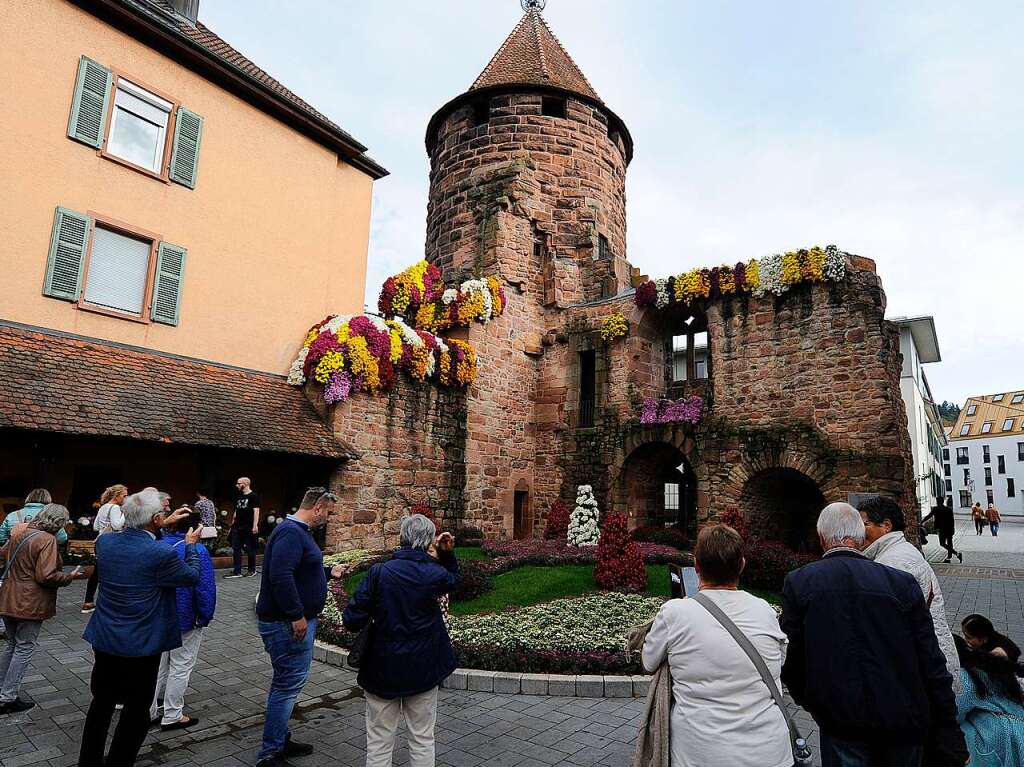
(1010, 426)
(165, 131)
(965, 429)
(972, 409)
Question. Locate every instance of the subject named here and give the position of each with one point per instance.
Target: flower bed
(586, 635)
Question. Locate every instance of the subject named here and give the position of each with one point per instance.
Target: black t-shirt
(244, 507)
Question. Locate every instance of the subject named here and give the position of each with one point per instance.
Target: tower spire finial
(533, 5)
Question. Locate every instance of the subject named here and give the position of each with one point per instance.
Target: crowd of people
(862, 642)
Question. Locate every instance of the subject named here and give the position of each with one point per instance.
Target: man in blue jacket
(196, 605)
(136, 619)
(293, 591)
(863, 658)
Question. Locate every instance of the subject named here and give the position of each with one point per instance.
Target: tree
(620, 563)
(583, 530)
(949, 412)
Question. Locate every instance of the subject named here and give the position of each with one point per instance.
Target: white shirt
(722, 713)
(108, 518)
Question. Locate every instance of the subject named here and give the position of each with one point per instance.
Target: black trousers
(131, 682)
(946, 542)
(90, 587)
(243, 539)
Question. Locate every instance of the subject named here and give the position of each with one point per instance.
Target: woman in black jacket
(408, 653)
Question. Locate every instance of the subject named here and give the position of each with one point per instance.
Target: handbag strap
(747, 646)
(10, 560)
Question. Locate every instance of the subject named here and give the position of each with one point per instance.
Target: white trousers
(175, 669)
(382, 723)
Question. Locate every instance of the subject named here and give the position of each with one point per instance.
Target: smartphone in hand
(683, 581)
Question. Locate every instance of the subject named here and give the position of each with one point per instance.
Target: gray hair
(51, 518)
(417, 532)
(839, 522)
(140, 508)
(39, 495)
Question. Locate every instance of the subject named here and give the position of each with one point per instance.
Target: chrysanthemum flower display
(771, 275)
(613, 327)
(418, 296)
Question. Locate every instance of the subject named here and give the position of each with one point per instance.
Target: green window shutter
(67, 255)
(188, 134)
(170, 271)
(90, 105)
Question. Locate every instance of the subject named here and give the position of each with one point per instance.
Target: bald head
(243, 484)
(839, 524)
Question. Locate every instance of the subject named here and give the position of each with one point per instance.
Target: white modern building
(985, 459)
(919, 345)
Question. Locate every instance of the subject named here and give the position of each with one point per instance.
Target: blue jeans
(291, 661)
(852, 753)
(995, 528)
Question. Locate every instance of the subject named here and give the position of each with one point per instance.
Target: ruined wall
(411, 446)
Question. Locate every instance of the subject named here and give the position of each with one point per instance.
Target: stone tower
(527, 181)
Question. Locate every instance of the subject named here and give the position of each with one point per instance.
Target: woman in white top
(109, 519)
(722, 713)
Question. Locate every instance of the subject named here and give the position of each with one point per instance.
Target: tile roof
(988, 411)
(532, 55)
(72, 385)
(161, 14)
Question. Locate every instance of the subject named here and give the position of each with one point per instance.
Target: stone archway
(656, 483)
(782, 504)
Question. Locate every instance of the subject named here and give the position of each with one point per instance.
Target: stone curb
(508, 683)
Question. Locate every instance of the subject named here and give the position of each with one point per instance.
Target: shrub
(768, 562)
(557, 527)
(422, 508)
(735, 519)
(620, 565)
(475, 581)
(666, 536)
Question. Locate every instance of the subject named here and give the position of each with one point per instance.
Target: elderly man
(863, 659)
(293, 591)
(136, 619)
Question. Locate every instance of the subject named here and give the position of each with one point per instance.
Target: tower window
(553, 107)
(604, 249)
(481, 112)
(588, 387)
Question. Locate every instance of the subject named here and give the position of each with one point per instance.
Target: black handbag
(358, 648)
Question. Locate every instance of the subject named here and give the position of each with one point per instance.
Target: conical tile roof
(532, 55)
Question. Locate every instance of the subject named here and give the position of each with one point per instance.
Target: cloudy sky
(894, 130)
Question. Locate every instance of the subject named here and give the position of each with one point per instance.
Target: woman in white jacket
(884, 524)
(723, 713)
(109, 519)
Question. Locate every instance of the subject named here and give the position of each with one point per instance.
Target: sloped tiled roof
(996, 409)
(532, 55)
(161, 14)
(66, 384)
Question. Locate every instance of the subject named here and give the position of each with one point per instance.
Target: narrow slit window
(481, 112)
(588, 387)
(553, 107)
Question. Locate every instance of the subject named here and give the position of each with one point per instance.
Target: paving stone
(507, 683)
(561, 684)
(590, 686)
(482, 681)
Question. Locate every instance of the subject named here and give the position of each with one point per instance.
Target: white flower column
(583, 530)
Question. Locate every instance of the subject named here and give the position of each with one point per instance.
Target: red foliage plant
(557, 527)
(620, 563)
(422, 508)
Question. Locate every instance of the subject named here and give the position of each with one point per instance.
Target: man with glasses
(293, 591)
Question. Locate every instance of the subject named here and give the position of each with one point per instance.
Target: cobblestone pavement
(474, 728)
(1003, 551)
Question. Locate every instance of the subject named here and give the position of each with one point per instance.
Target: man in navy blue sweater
(293, 591)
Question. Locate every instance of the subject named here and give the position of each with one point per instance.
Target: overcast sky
(894, 130)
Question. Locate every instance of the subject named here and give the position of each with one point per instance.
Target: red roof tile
(71, 385)
(532, 55)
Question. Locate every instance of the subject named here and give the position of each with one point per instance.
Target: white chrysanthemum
(295, 376)
(663, 298)
(480, 286)
(409, 336)
(378, 322)
(835, 264)
(770, 276)
(449, 295)
(334, 323)
(583, 529)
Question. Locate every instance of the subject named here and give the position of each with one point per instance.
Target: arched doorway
(658, 487)
(782, 504)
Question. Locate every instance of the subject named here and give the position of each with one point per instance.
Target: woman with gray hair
(32, 573)
(408, 653)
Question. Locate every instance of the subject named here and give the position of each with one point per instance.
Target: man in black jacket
(863, 658)
(945, 526)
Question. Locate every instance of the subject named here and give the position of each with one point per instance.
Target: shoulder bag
(5, 571)
(801, 751)
(358, 649)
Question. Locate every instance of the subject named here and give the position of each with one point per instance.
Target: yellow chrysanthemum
(311, 337)
(426, 316)
(344, 333)
(790, 269)
(726, 280)
(363, 364)
(753, 274)
(331, 361)
(815, 264)
(614, 327)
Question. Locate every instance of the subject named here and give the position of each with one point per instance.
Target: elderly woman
(29, 596)
(723, 713)
(884, 525)
(408, 653)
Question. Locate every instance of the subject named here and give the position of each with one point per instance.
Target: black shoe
(16, 706)
(960, 556)
(947, 560)
(295, 748)
(179, 725)
(233, 575)
(250, 574)
(275, 760)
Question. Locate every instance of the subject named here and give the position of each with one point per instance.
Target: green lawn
(535, 584)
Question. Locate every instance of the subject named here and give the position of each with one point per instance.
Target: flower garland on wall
(771, 275)
(346, 354)
(614, 327)
(685, 410)
(417, 295)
